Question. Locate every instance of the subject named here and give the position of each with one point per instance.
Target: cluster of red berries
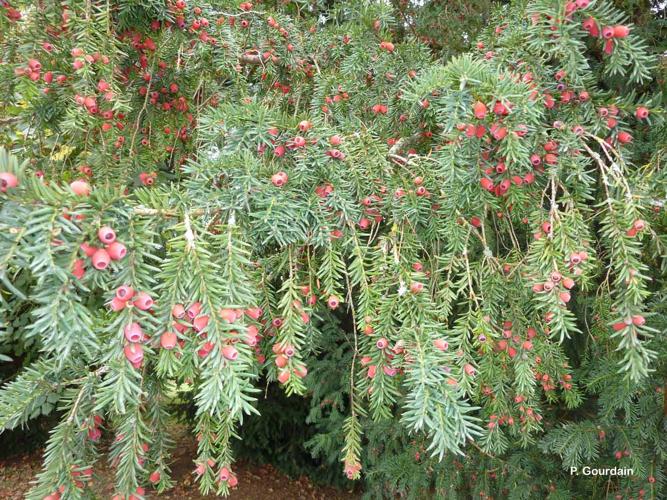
(100, 257)
(162, 98)
(610, 115)
(556, 283)
(201, 23)
(225, 474)
(511, 342)
(165, 95)
(550, 156)
(324, 190)
(179, 19)
(133, 333)
(228, 351)
(574, 5)
(134, 350)
(186, 319)
(420, 189)
(547, 382)
(637, 227)
(609, 33)
(283, 88)
(32, 70)
(276, 25)
(497, 177)
(498, 180)
(286, 354)
(89, 102)
(147, 178)
(297, 142)
(165, 91)
(370, 211)
(336, 154)
(544, 230)
(636, 320)
(81, 58)
(341, 95)
(285, 363)
(495, 421)
(387, 354)
(85, 170)
(280, 178)
(124, 298)
(311, 300)
(527, 413)
(575, 260)
(191, 318)
(567, 96)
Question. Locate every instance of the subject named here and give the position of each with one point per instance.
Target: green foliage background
(255, 244)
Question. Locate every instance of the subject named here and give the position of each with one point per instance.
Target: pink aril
(143, 301)
(168, 340)
(106, 235)
(124, 293)
(101, 259)
(116, 250)
(230, 352)
(134, 333)
(134, 353)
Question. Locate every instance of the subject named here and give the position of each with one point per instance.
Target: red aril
(80, 188)
(193, 310)
(133, 332)
(116, 250)
(134, 353)
(7, 181)
(143, 301)
(101, 259)
(168, 340)
(106, 235)
(480, 110)
(230, 352)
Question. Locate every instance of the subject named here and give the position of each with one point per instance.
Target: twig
(189, 234)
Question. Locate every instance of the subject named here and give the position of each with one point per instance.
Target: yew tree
(459, 234)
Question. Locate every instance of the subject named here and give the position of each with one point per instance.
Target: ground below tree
(255, 481)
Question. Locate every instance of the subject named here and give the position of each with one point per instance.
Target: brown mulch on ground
(256, 482)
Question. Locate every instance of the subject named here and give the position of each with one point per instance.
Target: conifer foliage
(197, 197)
